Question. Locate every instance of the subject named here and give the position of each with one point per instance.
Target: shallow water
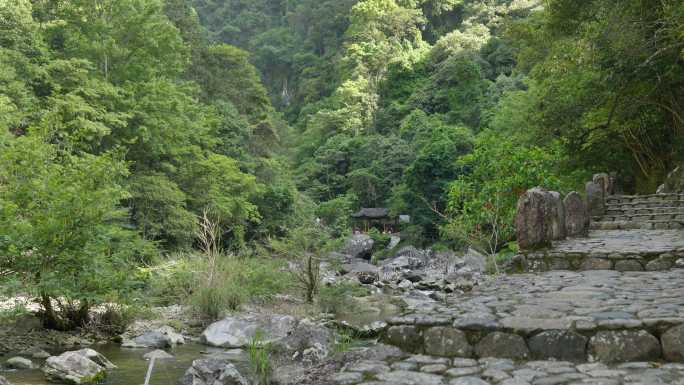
(131, 366)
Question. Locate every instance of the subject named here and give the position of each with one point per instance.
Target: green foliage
(260, 358)
(339, 297)
(61, 225)
(482, 201)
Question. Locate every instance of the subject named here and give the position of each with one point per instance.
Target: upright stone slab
(556, 216)
(596, 202)
(605, 181)
(530, 219)
(577, 218)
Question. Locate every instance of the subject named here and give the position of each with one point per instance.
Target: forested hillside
(133, 129)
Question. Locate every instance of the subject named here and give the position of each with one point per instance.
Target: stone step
(386, 367)
(642, 217)
(602, 315)
(644, 198)
(637, 224)
(651, 211)
(645, 205)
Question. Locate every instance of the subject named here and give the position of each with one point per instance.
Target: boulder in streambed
(213, 371)
(3, 381)
(20, 363)
(157, 355)
(164, 337)
(238, 331)
(84, 366)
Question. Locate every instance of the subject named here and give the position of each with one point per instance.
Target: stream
(131, 366)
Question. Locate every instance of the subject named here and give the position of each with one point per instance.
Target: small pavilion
(375, 217)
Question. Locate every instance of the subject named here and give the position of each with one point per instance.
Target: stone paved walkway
(624, 250)
(625, 242)
(592, 314)
(427, 370)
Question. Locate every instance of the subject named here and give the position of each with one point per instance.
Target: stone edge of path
(606, 341)
(549, 260)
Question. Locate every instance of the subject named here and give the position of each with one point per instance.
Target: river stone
(157, 355)
(623, 346)
(164, 337)
(359, 246)
(239, 331)
(407, 337)
(73, 368)
(531, 219)
(311, 340)
(19, 363)
(558, 344)
(502, 345)
(596, 203)
(447, 342)
(212, 371)
(3, 381)
(673, 344)
(576, 215)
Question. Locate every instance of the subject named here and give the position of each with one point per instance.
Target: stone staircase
(649, 212)
(605, 307)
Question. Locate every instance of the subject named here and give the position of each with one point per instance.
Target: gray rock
(20, 363)
(502, 345)
(446, 342)
(673, 344)
(359, 246)
(596, 203)
(157, 355)
(558, 344)
(407, 337)
(556, 216)
(605, 182)
(164, 337)
(596, 264)
(96, 358)
(660, 264)
(3, 381)
(347, 378)
(35, 353)
(531, 219)
(468, 381)
(628, 265)
(313, 341)
(674, 183)
(624, 346)
(475, 260)
(240, 330)
(212, 371)
(74, 368)
(401, 377)
(577, 217)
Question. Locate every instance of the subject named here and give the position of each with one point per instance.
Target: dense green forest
(129, 126)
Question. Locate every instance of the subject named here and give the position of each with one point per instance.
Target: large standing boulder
(606, 182)
(539, 219)
(556, 215)
(596, 202)
(213, 371)
(674, 183)
(577, 217)
(77, 367)
(239, 331)
(673, 344)
(359, 246)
